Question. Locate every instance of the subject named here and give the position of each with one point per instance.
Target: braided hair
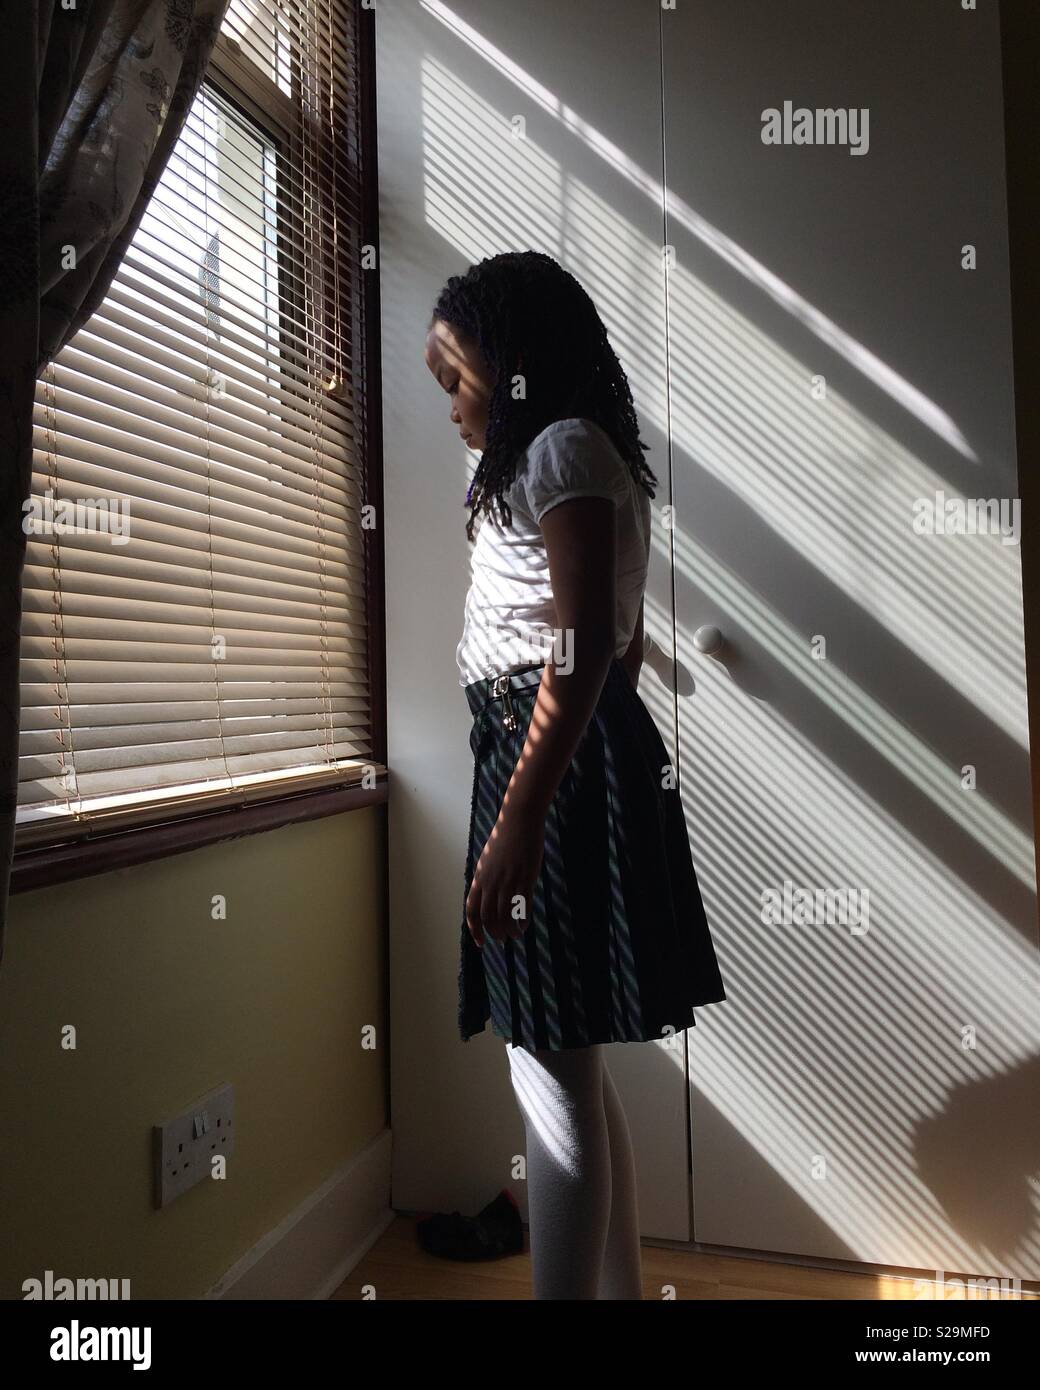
(522, 306)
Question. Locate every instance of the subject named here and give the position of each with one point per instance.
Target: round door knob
(707, 639)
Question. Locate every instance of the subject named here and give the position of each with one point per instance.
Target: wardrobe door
(854, 758)
(501, 126)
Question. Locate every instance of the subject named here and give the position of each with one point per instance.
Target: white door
(501, 125)
(868, 1090)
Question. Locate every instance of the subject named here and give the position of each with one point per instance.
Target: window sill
(100, 853)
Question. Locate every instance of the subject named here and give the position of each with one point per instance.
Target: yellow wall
(168, 1004)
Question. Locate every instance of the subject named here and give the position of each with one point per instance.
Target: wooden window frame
(100, 851)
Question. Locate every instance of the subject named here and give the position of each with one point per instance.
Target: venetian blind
(194, 598)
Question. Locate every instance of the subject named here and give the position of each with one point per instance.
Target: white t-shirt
(510, 616)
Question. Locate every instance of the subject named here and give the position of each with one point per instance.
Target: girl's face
(460, 368)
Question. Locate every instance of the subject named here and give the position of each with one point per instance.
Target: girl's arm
(580, 545)
(633, 658)
(579, 542)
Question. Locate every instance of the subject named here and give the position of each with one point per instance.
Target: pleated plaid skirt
(617, 946)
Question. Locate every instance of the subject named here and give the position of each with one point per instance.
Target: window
(197, 628)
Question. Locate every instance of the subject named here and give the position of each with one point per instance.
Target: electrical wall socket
(185, 1146)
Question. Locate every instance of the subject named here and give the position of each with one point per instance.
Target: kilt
(617, 946)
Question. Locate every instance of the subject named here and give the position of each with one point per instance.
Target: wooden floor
(398, 1268)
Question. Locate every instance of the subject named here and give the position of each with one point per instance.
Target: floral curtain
(93, 96)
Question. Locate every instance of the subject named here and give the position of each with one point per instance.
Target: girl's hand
(508, 867)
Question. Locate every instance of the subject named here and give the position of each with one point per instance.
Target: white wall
(455, 187)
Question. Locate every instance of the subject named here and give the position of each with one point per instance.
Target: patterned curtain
(93, 96)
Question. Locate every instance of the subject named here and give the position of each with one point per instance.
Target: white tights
(581, 1184)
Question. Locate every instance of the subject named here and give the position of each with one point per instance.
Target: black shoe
(492, 1233)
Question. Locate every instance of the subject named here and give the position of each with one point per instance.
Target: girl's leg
(568, 1166)
(622, 1273)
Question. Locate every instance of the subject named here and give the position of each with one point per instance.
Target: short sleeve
(571, 458)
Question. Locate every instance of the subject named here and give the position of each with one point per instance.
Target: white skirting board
(311, 1252)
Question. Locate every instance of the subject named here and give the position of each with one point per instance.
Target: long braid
(522, 305)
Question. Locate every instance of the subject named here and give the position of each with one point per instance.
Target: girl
(583, 923)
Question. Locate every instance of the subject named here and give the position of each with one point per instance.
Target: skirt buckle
(500, 686)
